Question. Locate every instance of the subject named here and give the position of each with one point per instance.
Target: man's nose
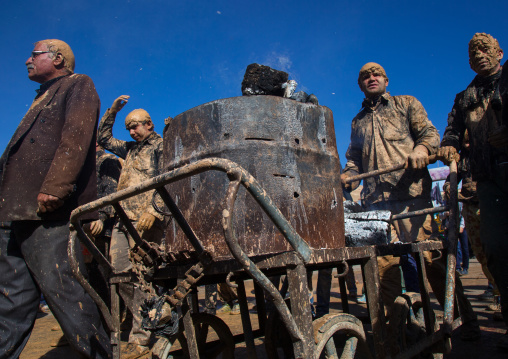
(28, 61)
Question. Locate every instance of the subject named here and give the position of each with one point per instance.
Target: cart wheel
(406, 325)
(213, 336)
(340, 336)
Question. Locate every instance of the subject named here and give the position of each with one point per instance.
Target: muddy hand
(96, 227)
(145, 222)
(48, 203)
(447, 154)
(348, 186)
(419, 158)
(119, 103)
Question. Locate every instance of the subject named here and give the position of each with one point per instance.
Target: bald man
(389, 130)
(46, 171)
(143, 160)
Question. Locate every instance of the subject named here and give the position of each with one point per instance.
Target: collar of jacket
(371, 104)
(46, 85)
(150, 139)
(481, 88)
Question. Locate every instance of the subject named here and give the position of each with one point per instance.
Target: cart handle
(400, 166)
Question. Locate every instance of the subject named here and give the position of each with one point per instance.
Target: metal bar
(250, 183)
(194, 300)
(370, 272)
(452, 250)
(246, 323)
(374, 173)
(190, 330)
(419, 213)
(400, 166)
(180, 219)
(343, 295)
(300, 309)
(124, 219)
(115, 313)
(251, 268)
(261, 306)
(424, 294)
(74, 264)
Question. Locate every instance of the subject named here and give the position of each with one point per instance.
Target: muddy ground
(474, 284)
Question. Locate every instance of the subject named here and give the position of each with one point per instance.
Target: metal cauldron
(288, 146)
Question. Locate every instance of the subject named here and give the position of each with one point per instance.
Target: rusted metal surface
(251, 268)
(289, 147)
(452, 250)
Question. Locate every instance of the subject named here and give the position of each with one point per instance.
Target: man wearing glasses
(46, 171)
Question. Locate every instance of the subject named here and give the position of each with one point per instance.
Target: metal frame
(199, 266)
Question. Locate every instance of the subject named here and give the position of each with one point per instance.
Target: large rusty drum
(288, 146)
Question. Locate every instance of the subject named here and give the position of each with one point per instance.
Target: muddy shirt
(383, 135)
(477, 109)
(143, 160)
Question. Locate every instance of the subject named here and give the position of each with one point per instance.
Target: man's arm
(454, 133)
(81, 108)
(425, 135)
(105, 134)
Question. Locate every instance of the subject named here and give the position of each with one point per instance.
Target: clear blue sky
(170, 56)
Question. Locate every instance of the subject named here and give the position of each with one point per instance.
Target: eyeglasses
(37, 53)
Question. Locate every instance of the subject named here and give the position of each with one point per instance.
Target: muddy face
(373, 83)
(484, 55)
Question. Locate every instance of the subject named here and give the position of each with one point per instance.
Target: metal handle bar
(302, 249)
(400, 166)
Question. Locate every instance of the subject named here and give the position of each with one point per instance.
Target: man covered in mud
(389, 130)
(479, 110)
(142, 160)
(47, 170)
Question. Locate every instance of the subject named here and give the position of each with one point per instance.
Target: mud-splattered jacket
(477, 109)
(143, 160)
(52, 152)
(383, 135)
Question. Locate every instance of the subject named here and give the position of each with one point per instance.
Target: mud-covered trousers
(493, 196)
(33, 259)
(132, 293)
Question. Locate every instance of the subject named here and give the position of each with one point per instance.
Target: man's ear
(500, 55)
(386, 82)
(58, 61)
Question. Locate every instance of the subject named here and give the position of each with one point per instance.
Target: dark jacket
(52, 152)
(477, 109)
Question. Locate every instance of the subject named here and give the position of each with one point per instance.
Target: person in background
(143, 159)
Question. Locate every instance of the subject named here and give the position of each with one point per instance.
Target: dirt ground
(474, 284)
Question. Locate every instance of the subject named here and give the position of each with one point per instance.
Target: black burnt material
(263, 80)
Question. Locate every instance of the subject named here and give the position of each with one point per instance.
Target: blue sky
(170, 56)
